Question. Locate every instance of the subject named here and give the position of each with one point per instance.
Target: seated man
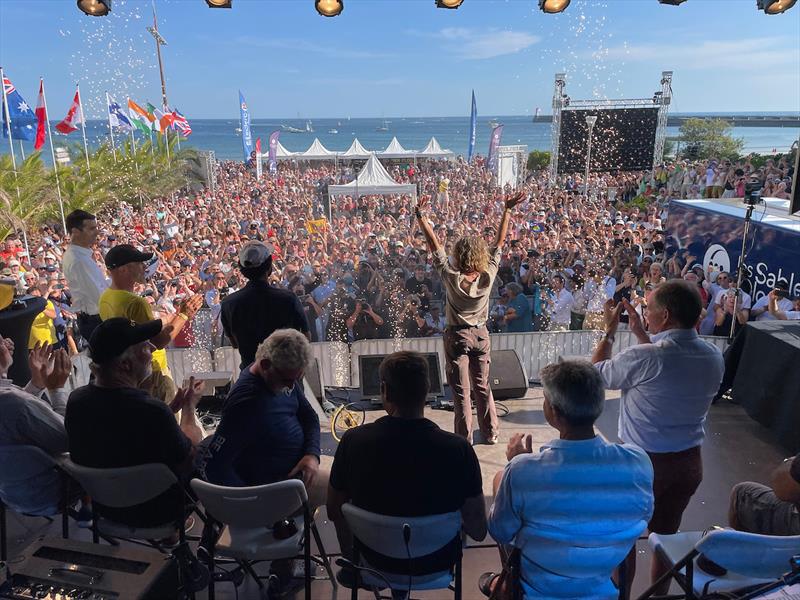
(112, 422)
(269, 432)
(756, 508)
(404, 465)
(576, 507)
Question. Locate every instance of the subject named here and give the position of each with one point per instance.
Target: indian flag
(140, 117)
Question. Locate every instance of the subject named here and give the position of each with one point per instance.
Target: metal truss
(555, 127)
(664, 98)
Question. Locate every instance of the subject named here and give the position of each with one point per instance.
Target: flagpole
(110, 129)
(13, 158)
(53, 154)
(83, 128)
(21, 150)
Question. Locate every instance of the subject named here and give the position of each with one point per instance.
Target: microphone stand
(751, 202)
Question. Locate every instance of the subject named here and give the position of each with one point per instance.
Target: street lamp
(590, 121)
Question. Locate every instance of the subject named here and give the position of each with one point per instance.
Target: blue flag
(473, 122)
(494, 142)
(116, 117)
(23, 119)
(247, 137)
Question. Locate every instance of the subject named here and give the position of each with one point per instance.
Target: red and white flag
(73, 118)
(41, 118)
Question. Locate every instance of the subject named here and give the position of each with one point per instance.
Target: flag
(163, 118)
(116, 117)
(273, 149)
(180, 123)
(494, 142)
(139, 117)
(41, 118)
(258, 158)
(73, 118)
(247, 137)
(473, 123)
(155, 123)
(21, 115)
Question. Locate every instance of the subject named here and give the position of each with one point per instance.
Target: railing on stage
(338, 363)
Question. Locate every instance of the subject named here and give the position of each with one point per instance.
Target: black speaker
(507, 376)
(794, 199)
(15, 323)
(314, 378)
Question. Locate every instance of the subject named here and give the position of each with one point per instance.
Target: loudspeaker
(314, 379)
(15, 323)
(507, 376)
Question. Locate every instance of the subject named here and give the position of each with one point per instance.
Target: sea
(413, 133)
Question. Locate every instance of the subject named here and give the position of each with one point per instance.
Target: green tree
(712, 137)
(538, 159)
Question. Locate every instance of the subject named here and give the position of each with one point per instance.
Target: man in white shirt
(560, 305)
(761, 310)
(668, 382)
(86, 280)
(793, 314)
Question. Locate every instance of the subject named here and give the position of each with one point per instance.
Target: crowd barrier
(339, 364)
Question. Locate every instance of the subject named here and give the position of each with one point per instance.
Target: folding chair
(248, 514)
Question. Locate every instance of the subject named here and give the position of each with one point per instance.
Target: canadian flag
(41, 118)
(73, 118)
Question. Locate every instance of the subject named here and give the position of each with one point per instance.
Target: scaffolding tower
(555, 128)
(663, 99)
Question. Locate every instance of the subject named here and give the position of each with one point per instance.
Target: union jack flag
(180, 123)
(9, 87)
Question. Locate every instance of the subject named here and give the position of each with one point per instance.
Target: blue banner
(247, 137)
(494, 142)
(473, 123)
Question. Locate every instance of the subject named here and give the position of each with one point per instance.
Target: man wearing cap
(761, 310)
(114, 422)
(86, 280)
(125, 264)
(250, 315)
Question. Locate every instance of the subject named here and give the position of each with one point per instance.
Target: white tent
(356, 150)
(395, 150)
(434, 150)
(372, 180)
(281, 153)
(317, 152)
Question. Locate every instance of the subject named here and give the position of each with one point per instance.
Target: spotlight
(672, 2)
(329, 8)
(95, 8)
(448, 3)
(775, 7)
(553, 6)
(219, 3)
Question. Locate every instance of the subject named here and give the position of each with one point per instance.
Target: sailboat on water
(309, 128)
(384, 126)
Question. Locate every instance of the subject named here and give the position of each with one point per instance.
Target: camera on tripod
(752, 192)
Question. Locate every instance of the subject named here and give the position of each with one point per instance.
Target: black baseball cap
(113, 336)
(125, 254)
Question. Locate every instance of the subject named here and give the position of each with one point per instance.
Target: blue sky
(404, 57)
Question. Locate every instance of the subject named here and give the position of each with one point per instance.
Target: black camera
(752, 192)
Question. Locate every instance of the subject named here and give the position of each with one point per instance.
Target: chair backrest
(122, 487)
(256, 506)
(30, 481)
(750, 554)
(384, 534)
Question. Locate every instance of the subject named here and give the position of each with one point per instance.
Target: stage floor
(736, 449)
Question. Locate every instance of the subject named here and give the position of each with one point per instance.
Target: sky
(403, 58)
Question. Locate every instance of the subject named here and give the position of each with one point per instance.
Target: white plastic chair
(31, 484)
(248, 514)
(749, 558)
(385, 536)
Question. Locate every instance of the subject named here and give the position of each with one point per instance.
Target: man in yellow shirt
(125, 265)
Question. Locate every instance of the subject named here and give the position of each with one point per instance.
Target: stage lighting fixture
(95, 8)
(672, 2)
(219, 3)
(775, 7)
(329, 8)
(553, 6)
(448, 3)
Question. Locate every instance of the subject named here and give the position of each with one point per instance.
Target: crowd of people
(278, 264)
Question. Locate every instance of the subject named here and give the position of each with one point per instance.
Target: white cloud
(473, 44)
(303, 45)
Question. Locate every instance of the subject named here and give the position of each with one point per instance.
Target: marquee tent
(434, 150)
(395, 150)
(316, 152)
(356, 150)
(281, 153)
(372, 180)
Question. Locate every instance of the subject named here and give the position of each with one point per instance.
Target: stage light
(219, 3)
(775, 7)
(95, 8)
(672, 2)
(553, 6)
(329, 8)
(448, 3)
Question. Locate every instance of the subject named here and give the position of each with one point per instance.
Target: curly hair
(286, 348)
(471, 254)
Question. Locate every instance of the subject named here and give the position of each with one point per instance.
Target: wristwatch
(418, 212)
(609, 337)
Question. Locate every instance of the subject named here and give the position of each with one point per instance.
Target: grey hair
(514, 287)
(111, 365)
(659, 265)
(575, 388)
(286, 349)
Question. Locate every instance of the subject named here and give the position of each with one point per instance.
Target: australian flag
(23, 119)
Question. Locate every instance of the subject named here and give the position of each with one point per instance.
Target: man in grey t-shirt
(468, 281)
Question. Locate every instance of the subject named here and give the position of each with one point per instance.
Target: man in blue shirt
(576, 507)
(518, 313)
